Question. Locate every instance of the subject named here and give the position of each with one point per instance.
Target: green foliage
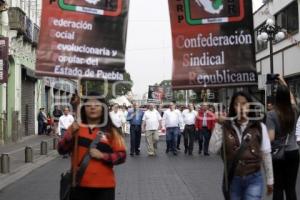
(120, 88)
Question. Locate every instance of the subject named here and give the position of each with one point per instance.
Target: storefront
(27, 99)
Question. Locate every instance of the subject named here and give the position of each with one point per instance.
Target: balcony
(20, 22)
(17, 19)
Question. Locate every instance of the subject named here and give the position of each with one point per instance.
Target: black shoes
(137, 153)
(167, 150)
(206, 154)
(185, 151)
(175, 153)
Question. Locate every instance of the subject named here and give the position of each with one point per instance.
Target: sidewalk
(16, 152)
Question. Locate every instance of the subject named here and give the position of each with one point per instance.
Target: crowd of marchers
(246, 141)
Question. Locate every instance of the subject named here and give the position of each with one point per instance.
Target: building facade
(286, 52)
(24, 93)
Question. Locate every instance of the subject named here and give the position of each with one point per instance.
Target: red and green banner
(83, 38)
(213, 43)
(3, 59)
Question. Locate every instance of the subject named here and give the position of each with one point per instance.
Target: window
(259, 46)
(288, 18)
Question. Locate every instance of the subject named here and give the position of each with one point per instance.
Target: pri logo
(212, 7)
(199, 12)
(112, 8)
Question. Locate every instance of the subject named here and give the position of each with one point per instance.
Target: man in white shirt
(189, 118)
(117, 118)
(151, 124)
(172, 121)
(65, 121)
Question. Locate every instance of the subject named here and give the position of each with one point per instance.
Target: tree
(120, 87)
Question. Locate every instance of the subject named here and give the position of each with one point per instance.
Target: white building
(24, 93)
(286, 53)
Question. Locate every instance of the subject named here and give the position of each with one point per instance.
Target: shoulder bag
(71, 179)
(278, 148)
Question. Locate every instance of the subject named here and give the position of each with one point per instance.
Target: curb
(24, 170)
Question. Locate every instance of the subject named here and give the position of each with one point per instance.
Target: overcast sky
(149, 45)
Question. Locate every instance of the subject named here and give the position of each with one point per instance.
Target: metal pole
(271, 63)
(271, 56)
(28, 155)
(55, 142)
(5, 163)
(44, 148)
(266, 98)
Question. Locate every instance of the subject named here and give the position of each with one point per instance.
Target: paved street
(141, 178)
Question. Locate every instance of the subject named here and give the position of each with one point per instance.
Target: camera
(272, 78)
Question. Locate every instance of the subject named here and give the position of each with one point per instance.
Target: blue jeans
(171, 138)
(247, 187)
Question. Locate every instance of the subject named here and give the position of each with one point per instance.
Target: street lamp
(270, 32)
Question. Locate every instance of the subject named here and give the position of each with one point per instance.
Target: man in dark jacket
(42, 121)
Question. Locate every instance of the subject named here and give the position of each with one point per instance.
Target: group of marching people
(174, 122)
(245, 140)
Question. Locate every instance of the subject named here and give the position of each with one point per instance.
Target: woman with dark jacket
(98, 181)
(281, 123)
(241, 137)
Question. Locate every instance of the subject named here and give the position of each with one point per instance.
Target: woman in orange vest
(98, 181)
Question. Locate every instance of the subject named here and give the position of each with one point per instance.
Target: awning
(29, 73)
